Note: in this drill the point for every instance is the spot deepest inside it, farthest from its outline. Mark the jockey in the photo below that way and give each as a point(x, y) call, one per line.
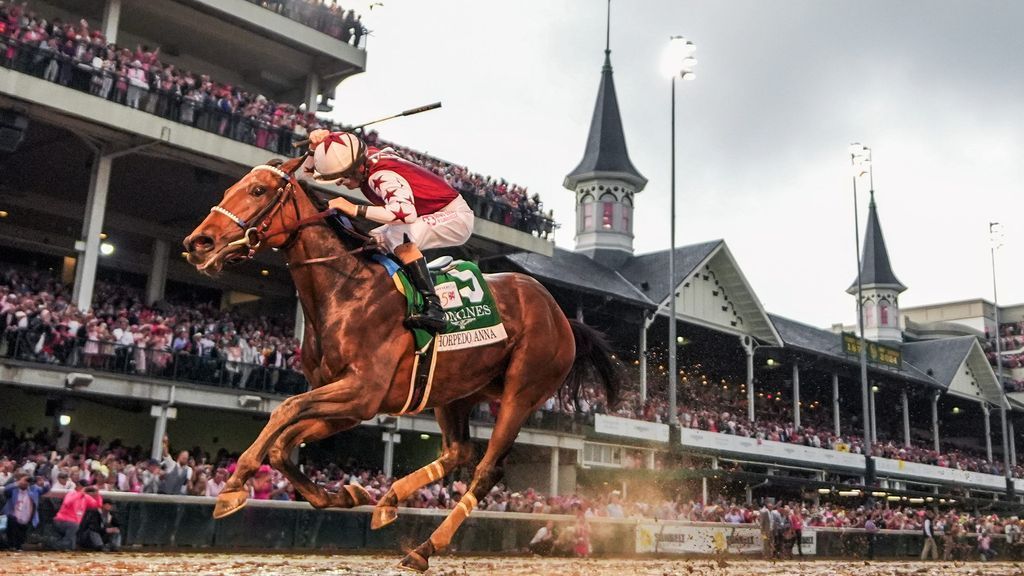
point(416, 208)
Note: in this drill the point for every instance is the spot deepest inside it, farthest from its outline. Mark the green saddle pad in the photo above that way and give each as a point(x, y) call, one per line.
point(473, 318)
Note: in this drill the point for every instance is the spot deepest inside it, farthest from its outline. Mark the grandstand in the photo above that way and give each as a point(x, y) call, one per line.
point(102, 182)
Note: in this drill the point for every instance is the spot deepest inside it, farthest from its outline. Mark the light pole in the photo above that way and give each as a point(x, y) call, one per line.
point(860, 160)
point(678, 62)
point(995, 234)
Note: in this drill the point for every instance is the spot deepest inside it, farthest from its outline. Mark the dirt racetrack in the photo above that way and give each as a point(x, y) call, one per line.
point(68, 564)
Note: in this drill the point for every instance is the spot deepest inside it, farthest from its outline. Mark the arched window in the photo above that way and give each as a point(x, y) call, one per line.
point(883, 313)
point(627, 219)
point(608, 211)
point(869, 314)
point(586, 213)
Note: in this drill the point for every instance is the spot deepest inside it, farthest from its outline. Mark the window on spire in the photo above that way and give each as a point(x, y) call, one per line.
point(883, 313)
point(869, 314)
point(608, 211)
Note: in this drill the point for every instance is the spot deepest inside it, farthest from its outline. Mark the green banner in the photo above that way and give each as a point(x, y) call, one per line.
point(877, 353)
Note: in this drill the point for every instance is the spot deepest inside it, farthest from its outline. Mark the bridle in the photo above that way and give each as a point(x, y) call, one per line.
point(255, 228)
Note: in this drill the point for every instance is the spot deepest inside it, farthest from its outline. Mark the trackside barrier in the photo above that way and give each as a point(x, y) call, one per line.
point(167, 522)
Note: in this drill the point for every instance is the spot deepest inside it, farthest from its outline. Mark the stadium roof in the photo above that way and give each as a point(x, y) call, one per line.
point(875, 267)
point(579, 272)
point(606, 155)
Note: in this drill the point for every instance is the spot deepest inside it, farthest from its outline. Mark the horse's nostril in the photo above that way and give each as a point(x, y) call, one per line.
point(200, 244)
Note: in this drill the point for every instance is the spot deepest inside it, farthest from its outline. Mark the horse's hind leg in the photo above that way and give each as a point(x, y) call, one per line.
point(457, 450)
point(308, 431)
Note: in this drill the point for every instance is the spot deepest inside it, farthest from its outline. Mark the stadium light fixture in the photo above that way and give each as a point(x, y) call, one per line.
point(4, 214)
point(424, 436)
point(64, 419)
point(103, 235)
point(874, 388)
point(264, 272)
point(106, 248)
point(677, 61)
point(956, 409)
point(824, 490)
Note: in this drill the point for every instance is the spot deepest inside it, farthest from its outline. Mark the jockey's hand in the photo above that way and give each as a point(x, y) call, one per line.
point(347, 208)
point(317, 136)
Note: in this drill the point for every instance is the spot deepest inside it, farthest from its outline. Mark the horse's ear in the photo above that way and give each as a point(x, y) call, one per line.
point(293, 164)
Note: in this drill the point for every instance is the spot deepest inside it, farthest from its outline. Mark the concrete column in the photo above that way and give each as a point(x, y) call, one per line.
point(935, 421)
point(704, 491)
point(649, 460)
point(95, 208)
point(111, 18)
point(643, 357)
point(749, 492)
point(553, 478)
point(157, 451)
point(749, 351)
point(300, 319)
point(906, 418)
point(796, 394)
point(157, 281)
point(988, 432)
point(835, 404)
point(312, 91)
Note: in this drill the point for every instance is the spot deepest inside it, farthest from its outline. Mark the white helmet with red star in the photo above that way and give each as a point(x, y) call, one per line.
point(338, 156)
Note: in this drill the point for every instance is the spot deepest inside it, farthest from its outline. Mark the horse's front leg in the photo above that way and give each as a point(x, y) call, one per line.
point(347, 398)
point(349, 496)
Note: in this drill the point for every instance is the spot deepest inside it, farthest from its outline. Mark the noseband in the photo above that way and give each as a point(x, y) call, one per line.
point(254, 229)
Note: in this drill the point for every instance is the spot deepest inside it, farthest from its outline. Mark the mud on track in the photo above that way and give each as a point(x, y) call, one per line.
point(74, 564)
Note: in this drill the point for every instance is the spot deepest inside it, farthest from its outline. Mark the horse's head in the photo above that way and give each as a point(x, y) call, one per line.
point(248, 219)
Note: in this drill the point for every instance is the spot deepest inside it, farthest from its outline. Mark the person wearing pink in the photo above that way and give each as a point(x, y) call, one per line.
point(72, 509)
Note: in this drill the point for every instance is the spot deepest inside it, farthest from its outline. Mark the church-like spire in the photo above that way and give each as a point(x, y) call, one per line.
point(875, 267)
point(606, 155)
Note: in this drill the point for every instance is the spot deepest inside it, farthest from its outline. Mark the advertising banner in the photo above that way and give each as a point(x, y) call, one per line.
point(629, 428)
point(673, 538)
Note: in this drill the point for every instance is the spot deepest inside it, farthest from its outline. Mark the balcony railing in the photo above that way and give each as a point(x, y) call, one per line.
point(164, 364)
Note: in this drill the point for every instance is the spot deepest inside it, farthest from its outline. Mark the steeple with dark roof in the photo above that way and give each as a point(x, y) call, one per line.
point(605, 155)
point(605, 180)
point(879, 286)
point(875, 267)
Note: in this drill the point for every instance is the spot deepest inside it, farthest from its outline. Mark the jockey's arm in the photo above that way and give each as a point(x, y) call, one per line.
point(399, 202)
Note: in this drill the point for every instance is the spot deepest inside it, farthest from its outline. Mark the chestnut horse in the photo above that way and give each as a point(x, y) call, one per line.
point(358, 356)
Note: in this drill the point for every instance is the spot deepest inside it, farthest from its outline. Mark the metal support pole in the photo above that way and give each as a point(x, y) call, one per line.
point(643, 357)
point(988, 431)
point(1013, 445)
point(704, 491)
point(906, 418)
point(1006, 448)
point(873, 418)
point(553, 473)
point(935, 421)
point(865, 393)
point(673, 374)
point(835, 404)
point(751, 414)
point(796, 394)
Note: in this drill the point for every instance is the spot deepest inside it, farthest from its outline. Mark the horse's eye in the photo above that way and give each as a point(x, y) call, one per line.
point(259, 191)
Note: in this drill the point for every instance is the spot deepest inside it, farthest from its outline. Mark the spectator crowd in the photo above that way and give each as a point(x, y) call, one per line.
point(78, 56)
point(329, 18)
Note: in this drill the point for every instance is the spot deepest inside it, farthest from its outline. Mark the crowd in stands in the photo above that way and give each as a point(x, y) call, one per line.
point(328, 18)
point(78, 56)
point(1011, 344)
point(721, 406)
point(188, 340)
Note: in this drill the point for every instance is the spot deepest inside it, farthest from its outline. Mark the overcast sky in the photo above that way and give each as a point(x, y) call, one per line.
point(935, 88)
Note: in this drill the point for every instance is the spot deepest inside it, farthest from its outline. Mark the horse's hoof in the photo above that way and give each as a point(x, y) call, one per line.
point(414, 562)
point(382, 516)
point(360, 496)
point(229, 502)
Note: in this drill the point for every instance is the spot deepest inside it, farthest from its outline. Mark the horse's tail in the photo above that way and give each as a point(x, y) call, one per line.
point(593, 352)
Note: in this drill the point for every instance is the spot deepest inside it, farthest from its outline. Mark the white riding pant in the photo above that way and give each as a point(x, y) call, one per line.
point(450, 226)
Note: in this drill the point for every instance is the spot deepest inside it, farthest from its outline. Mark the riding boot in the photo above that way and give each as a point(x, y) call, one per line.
point(432, 317)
